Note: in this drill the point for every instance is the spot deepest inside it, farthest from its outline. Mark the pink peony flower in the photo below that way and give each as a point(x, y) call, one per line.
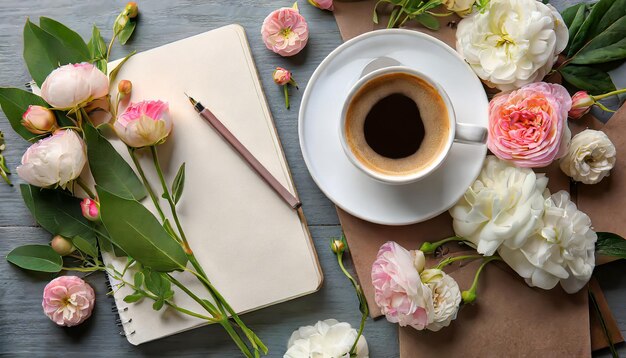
point(144, 124)
point(529, 126)
point(74, 85)
point(398, 288)
point(68, 300)
point(581, 104)
point(322, 4)
point(285, 31)
point(281, 76)
point(39, 120)
point(90, 209)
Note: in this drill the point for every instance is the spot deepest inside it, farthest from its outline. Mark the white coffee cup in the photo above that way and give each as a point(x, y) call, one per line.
point(458, 132)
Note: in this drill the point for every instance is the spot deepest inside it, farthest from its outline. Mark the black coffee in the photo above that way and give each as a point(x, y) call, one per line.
point(393, 127)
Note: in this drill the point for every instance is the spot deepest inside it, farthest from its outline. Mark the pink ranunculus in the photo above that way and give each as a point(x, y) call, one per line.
point(528, 126)
point(68, 300)
point(144, 124)
point(90, 209)
point(581, 104)
point(74, 85)
point(322, 4)
point(39, 120)
point(285, 31)
point(281, 76)
point(398, 288)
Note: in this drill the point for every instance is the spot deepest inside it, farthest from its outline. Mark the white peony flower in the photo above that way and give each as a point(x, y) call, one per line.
point(512, 42)
point(327, 339)
point(55, 160)
point(563, 251)
point(446, 297)
point(590, 157)
point(502, 207)
point(461, 7)
point(74, 85)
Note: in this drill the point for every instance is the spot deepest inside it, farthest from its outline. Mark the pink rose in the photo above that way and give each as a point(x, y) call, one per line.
point(39, 120)
point(68, 300)
point(285, 31)
point(74, 85)
point(90, 209)
point(581, 104)
point(322, 4)
point(281, 76)
point(398, 289)
point(529, 126)
point(144, 124)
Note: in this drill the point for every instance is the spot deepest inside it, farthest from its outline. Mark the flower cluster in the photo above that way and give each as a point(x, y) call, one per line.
point(409, 294)
point(543, 237)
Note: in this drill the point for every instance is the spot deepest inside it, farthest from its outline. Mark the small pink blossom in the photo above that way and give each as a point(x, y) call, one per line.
point(68, 300)
point(528, 127)
point(581, 104)
point(281, 76)
point(285, 31)
point(322, 4)
point(398, 288)
point(144, 124)
point(90, 209)
point(39, 120)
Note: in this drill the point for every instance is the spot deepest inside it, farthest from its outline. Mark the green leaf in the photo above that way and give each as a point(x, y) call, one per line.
point(43, 52)
point(168, 227)
point(159, 285)
point(57, 212)
point(428, 21)
point(15, 102)
point(135, 230)
point(36, 258)
point(574, 17)
point(98, 50)
point(117, 68)
point(133, 297)
point(127, 31)
point(179, 184)
point(158, 304)
point(86, 245)
point(68, 37)
point(109, 169)
point(570, 13)
point(611, 245)
point(610, 45)
point(603, 14)
point(590, 79)
point(138, 279)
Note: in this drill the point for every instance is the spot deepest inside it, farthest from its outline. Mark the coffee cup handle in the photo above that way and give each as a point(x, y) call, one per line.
point(470, 133)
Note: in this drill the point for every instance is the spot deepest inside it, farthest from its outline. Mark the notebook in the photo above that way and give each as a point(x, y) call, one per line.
point(255, 249)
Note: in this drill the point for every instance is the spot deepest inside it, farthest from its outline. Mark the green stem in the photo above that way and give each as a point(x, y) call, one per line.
point(85, 187)
point(286, 91)
point(146, 184)
point(430, 247)
point(609, 94)
point(83, 269)
point(485, 262)
point(605, 329)
point(111, 44)
point(447, 261)
point(604, 108)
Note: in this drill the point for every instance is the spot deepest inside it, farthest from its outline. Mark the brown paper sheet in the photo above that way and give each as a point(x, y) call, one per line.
point(598, 337)
point(355, 18)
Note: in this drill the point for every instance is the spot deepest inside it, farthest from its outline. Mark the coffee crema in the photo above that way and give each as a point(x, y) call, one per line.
point(397, 124)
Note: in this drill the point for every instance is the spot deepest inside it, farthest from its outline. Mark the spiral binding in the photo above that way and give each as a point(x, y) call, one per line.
point(116, 310)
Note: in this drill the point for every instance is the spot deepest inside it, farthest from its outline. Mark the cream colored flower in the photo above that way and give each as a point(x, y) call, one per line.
point(461, 7)
point(590, 157)
point(563, 251)
point(512, 42)
point(327, 339)
point(502, 207)
point(446, 297)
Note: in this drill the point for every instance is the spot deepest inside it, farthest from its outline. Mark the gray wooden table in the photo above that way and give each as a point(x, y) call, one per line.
point(25, 331)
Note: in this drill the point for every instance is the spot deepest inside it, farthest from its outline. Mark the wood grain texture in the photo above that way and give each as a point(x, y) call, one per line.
point(25, 331)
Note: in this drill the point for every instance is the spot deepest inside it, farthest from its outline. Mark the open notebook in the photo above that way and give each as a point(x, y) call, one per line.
point(243, 234)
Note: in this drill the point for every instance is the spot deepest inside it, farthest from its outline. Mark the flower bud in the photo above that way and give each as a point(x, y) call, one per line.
point(337, 246)
point(419, 261)
point(90, 209)
point(61, 245)
point(281, 76)
point(39, 120)
point(124, 87)
point(468, 296)
point(581, 104)
point(131, 9)
point(428, 248)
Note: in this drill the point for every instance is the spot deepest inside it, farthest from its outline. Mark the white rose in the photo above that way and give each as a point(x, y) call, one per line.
point(590, 157)
point(512, 42)
point(74, 85)
point(502, 207)
point(55, 160)
point(461, 7)
point(327, 339)
point(563, 251)
point(446, 297)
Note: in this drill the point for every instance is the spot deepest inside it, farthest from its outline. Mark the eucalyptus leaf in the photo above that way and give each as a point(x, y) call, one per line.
point(610, 45)
point(133, 297)
point(127, 31)
point(86, 245)
point(98, 50)
point(109, 169)
point(36, 258)
point(117, 68)
point(15, 102)
point(57, 212)
point(611, 245)
point(590, 79)
point(603, 14)
point(179, 184)
point(68, 37)
point(135, 230)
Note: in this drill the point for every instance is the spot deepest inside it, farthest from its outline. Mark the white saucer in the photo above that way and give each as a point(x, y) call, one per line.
point(320, 111)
